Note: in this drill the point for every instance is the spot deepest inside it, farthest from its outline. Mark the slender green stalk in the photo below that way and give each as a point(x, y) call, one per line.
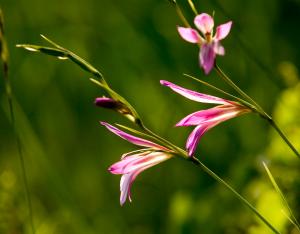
point(283, 136)
point(292, 217)
point(197, 162)
point(179, 13)
point(241, 198)
point(247, 104)
point(4, 57)
point(193, 7)
point(259, 108)
point(240, 91)
point(180, 151)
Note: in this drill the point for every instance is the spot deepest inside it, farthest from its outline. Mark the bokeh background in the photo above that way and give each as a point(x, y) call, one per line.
point(135, 44)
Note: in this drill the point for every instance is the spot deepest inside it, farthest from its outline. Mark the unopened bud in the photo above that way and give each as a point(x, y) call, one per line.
point(113, 104)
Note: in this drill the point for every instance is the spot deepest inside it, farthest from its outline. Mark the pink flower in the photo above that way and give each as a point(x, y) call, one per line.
point(209, 45)
point(133, 163)
point(205, 119)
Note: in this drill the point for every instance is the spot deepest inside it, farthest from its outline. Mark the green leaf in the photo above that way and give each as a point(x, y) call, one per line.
point(292, 218)
point(46, 50)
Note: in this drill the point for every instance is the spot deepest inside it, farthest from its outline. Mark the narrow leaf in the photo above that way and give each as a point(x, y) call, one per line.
point(284, 201)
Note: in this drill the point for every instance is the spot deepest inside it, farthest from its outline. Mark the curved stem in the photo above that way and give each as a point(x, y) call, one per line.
point(261, 111)
point(240, 91)
point(197, 162)
point(240, 197)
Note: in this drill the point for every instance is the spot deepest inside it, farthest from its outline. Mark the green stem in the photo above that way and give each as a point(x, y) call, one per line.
point(241, 198)
point(182, 152)
point(283, 136)
point(193, 7)
point(241, 92)
point(164, 141)
point(260, 110)
point(245, 103)
point(4, 57)
point(179, 13)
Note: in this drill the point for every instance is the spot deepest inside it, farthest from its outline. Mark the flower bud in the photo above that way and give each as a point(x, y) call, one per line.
point(116, 105)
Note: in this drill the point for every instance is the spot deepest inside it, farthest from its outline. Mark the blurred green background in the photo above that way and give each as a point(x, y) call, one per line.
point(135, 44)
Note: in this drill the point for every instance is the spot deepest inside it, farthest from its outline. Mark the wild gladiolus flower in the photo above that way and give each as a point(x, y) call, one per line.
point(205, 119)
point(133, 163)
point(209, 45)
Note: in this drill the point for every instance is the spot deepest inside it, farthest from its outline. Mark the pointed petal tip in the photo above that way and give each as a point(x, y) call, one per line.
point(164, 82)
point(180, 124)
point(223, 30)
point(110, 169)
point(103, 123)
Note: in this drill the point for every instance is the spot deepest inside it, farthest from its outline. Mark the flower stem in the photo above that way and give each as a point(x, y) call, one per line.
point(4, 54)
point(240, 197)
point(260, 110)
point(283, 136)
point(197, 162)
point(241, 92)
point(245, 103)
point(165, 142)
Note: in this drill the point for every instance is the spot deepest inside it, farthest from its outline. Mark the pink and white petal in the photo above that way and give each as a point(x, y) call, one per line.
point(125, 185)
point(137, 162)
point(189, 34)
point(223, 116)
point(219, 49)
point(202, 116)
point(204, 22)
point(207, 57)
point(133, 139)
point(223, 30)
point(128, 178)
point(193, 95)
point(119, 167)
point(194, 138)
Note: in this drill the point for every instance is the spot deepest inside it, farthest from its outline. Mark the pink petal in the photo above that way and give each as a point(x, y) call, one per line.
point(189, 34)
point(194, 138)
point(119, 167)
point(204, 23)
point(133, 139)
point(207, 57)
point(192, 95)
point(209, 120)
point(203, 116)
point(128, 178)
point(223, 30)
point(137, 162)
point(125, 185)
point(219, 49)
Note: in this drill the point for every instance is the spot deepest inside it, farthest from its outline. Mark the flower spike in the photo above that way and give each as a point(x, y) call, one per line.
point(205, 119)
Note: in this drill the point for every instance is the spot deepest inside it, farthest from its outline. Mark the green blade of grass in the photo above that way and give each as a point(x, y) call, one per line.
point(292, 217)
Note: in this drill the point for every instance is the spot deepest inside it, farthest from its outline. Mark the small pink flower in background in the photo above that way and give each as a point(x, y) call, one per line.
point(205, 119)
point(133, 163)
point(209, 45)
